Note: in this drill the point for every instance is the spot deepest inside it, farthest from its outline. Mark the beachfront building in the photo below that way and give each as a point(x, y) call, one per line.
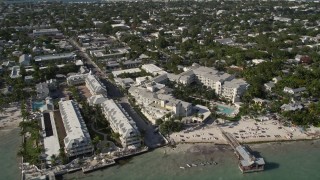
point(77, 141)
point(224, 84)
point(121, 123)
point(247, 162)
point(232, 90)
point(94, 85)
point(156, 103)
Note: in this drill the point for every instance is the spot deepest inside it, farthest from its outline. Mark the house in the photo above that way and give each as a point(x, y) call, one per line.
point(276, 79)
point(42, 90)
point(162, 78)
point(291, 107)
point(141, 80)
point(28, 79)
point(24, 60)
point(152, 69)
point(225, 41)
point(260, 102)
point(268, 86)
point(294, 91)
point(125, 82)
point(15, 72)
point(8, 64)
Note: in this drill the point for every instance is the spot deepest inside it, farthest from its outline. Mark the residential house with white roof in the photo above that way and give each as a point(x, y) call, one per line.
point(15, 72)
point(153, 69)
point(24, 60)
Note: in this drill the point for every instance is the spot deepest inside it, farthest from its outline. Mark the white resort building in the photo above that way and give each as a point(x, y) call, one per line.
point(158, 104)
point(121, 123)
point(224, 84)
point(94, 85)
point(77, 141)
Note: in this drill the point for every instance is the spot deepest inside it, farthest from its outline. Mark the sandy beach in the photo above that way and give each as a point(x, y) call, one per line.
point(245, 131)
point(10, 118)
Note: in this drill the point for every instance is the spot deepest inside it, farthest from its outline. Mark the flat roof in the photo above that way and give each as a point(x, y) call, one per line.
point(51, 143)
point(133, 70)
point(151, 68)
point(247, 158)
point(54, 56)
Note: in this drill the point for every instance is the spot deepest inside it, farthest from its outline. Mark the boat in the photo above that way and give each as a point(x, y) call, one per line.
point(208, 163)
point(194, 165)
point(181, 167)
point(188, 165)
point(202, 164)
point(215, 163)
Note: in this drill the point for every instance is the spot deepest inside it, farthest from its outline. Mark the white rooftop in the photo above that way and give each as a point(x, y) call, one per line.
point(126, 126)
point(133, 70)
point(51, 143)
point(73, 122)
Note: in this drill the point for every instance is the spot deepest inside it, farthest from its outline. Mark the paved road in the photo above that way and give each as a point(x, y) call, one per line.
point(152, 139)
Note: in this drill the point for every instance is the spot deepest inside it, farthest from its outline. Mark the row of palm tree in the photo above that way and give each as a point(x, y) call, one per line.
point(30, 149)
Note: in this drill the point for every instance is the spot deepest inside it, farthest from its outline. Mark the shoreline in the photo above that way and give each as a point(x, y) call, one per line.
point(10, 118)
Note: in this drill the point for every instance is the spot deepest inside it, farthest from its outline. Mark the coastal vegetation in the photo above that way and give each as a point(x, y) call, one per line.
point(31, 148)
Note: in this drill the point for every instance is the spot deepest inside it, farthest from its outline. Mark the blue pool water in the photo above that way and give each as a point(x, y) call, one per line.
point(225, 110)
point(37, 105)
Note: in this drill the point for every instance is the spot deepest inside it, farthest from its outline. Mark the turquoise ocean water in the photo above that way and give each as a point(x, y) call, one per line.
point(294, 160)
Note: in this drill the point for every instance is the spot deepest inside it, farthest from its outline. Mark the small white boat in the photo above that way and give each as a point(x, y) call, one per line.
point(181, 167)
point(188, 165)
point(194, 165)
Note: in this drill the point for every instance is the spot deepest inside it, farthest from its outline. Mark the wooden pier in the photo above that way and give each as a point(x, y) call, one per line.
point(247, 161)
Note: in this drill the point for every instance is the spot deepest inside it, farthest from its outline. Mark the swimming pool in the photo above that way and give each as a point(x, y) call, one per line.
point(37, 105)
point(225, 110)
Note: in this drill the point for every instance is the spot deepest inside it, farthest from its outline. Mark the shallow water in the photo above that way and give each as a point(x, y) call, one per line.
point(9, 145)
point(294, 160)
